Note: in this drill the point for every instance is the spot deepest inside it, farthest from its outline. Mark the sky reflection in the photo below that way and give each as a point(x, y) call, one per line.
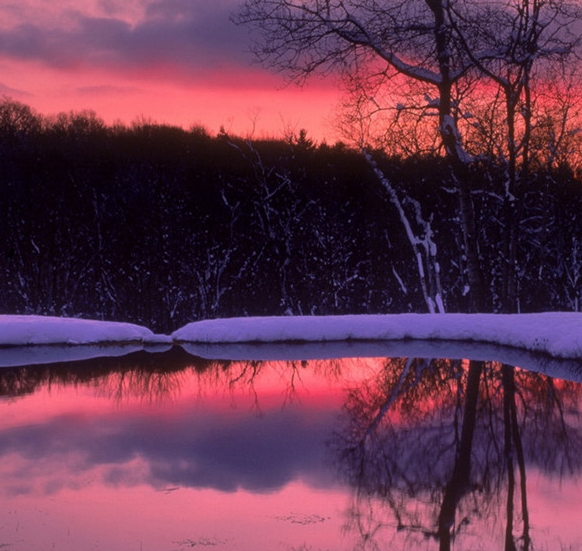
point(339, 454)
point(224, 444)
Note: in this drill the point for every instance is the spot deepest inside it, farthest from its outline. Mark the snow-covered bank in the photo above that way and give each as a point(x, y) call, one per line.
point(558, 334)
point(39, 330)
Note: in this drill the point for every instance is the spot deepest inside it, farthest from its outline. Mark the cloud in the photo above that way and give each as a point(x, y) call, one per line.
point(185, 38)
point(9, 91)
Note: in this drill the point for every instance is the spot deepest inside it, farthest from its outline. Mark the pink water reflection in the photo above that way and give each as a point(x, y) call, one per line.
point(233, 457)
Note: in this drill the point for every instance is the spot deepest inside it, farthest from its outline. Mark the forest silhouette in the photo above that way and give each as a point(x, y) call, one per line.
point(161, 226)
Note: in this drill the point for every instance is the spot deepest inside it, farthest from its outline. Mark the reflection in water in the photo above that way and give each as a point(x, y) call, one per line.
point(402, 453)
point(447, 446)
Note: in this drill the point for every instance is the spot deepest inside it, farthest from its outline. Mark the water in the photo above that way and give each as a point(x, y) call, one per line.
point(167, 452)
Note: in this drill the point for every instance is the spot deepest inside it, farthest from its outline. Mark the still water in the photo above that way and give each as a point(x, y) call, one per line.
point(168, 452)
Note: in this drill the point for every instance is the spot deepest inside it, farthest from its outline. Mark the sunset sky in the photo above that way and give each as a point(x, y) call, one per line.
point(173, 61)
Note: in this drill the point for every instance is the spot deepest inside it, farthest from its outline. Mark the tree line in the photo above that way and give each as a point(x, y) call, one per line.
point(161, 226)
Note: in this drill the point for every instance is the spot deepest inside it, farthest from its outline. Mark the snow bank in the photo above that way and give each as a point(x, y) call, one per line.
point(38, 330)
point(555, 333)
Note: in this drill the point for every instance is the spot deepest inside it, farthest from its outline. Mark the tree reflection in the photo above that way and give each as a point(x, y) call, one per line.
point(458, 483)
point(146, 375)
point(435, 450)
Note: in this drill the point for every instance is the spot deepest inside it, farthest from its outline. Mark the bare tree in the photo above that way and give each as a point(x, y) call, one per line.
point(556, 140)
point(513, 45)
point(411, 40)
point(446, 50)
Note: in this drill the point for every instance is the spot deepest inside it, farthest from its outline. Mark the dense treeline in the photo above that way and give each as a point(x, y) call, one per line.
point(161, 226)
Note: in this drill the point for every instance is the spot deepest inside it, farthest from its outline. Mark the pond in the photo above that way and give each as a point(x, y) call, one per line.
point(166, 451)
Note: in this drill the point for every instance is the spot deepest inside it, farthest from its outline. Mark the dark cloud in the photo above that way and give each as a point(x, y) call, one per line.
point(187, 37)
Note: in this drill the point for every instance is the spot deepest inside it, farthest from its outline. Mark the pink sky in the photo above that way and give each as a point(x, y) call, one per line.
point(173, 61)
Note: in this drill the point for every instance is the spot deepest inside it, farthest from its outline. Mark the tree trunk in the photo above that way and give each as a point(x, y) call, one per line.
point(456, 152)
